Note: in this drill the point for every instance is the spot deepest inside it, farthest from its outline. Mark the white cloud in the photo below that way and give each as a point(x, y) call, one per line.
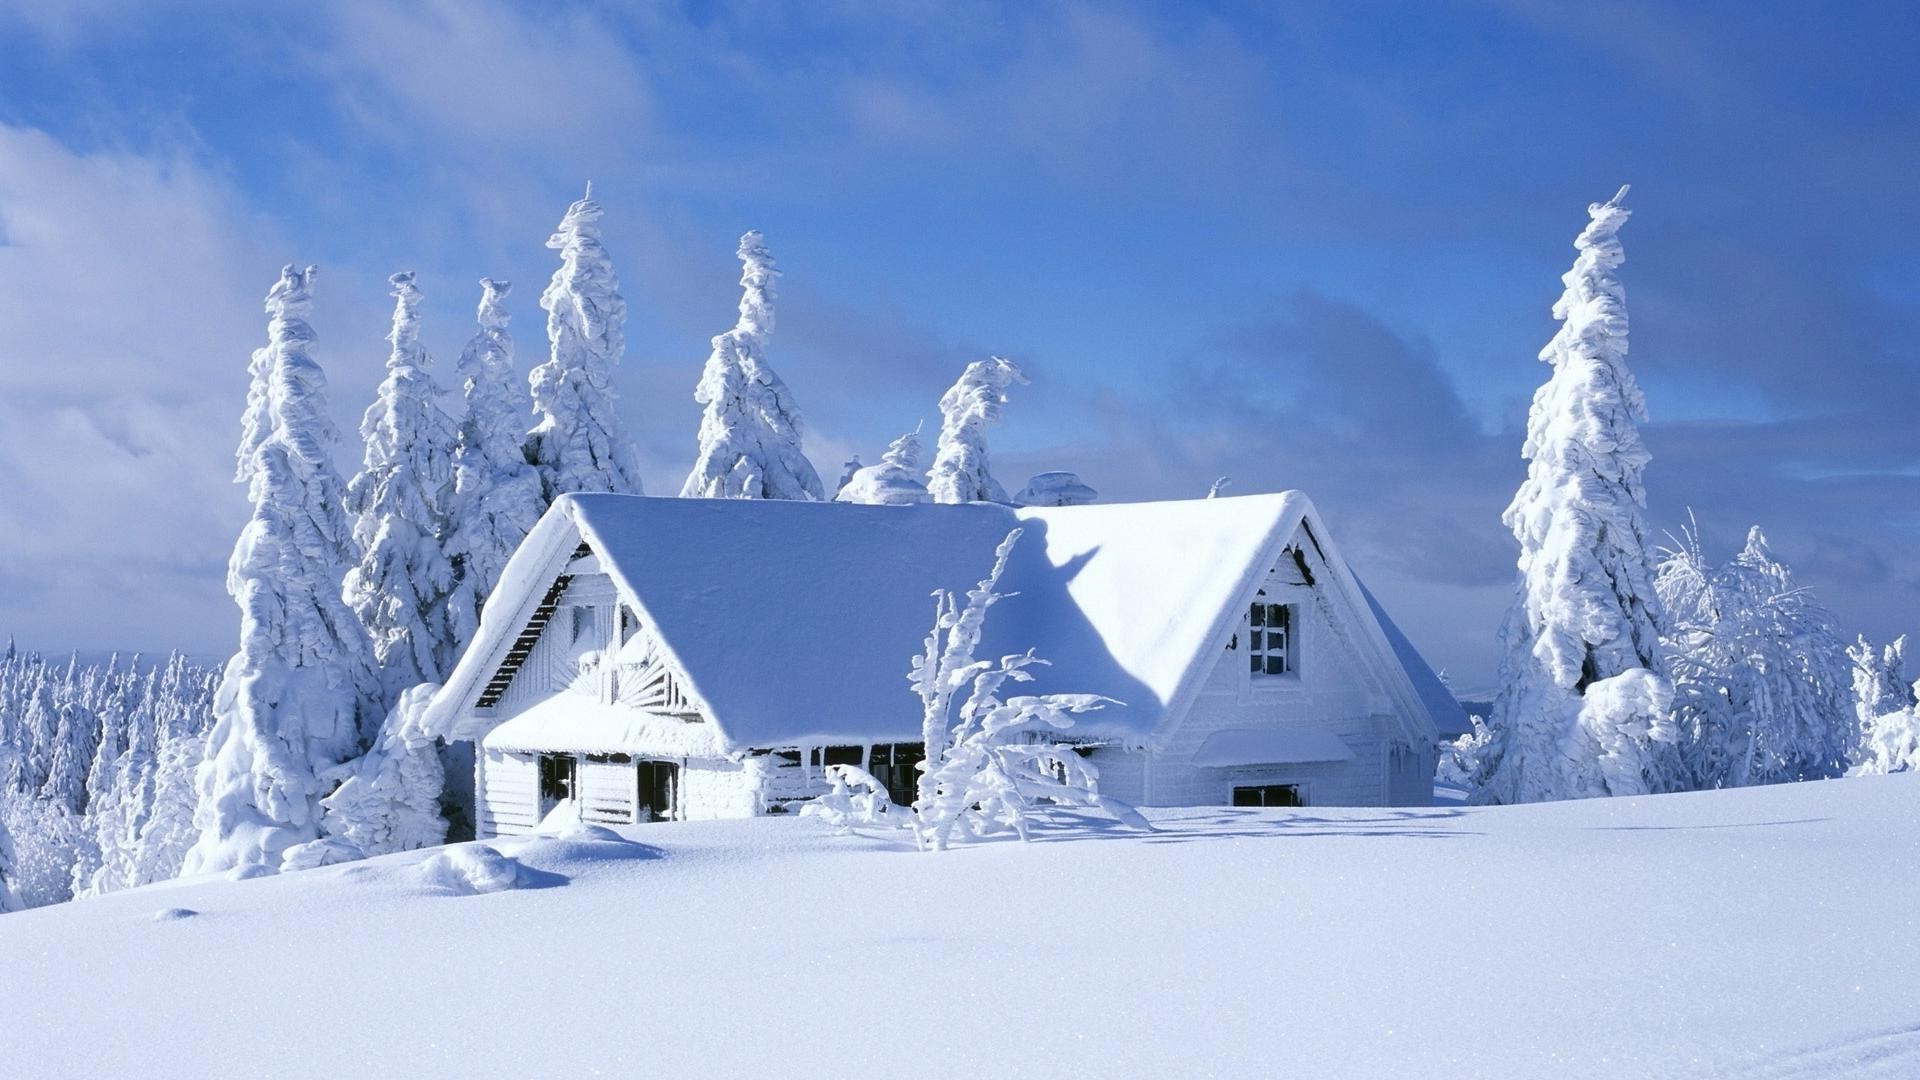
point(128, 306)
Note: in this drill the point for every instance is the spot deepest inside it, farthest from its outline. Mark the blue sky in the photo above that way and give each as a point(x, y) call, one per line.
point(1306, 245)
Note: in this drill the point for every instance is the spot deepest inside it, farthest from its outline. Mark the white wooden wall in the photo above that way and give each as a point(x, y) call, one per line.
point(608, 791)
point(718, 788)
point(509, 793)
point(1331, 691)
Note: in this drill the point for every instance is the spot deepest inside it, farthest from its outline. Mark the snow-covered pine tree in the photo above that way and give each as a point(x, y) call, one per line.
point(895, 481)
point(1585, 612)
point(291, 701)
point(497, 496)
point(847, 470)
point(9, 899)
point(400, 502)
point(750, 428)
point(960, 473)
point(76, 738)
point(390, 800)
point(578, 442)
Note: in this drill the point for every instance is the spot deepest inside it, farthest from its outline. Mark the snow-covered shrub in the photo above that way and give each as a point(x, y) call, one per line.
point(469, 869)
point(389, 799)
point(1891, 742)
point(1463, 762)
point(579, 442)
point(400, 502)
point(1880, 683)
point(750, 427)
point(1055, 489)
point(1886, 706)
point(895, 481)
point(496, 494)
point(1763, 687)
point(854, 798)
point(1585, 610)
point(998, 762)
point(290, 705)
point(46, 840)
point(960, 473)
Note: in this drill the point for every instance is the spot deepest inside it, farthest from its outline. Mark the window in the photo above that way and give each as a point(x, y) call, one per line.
point(582, 623)
point(556, 780)
point(1268, 795)
point(629, 622)
point(1270, 639)
point(657, 781)
point(893, 764)
point(838, 755)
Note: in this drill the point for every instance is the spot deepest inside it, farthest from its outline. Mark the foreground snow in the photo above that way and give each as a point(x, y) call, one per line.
point(1762, 932)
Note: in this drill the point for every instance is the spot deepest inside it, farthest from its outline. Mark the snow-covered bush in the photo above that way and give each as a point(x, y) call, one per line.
point(400, 502)
point(1885, 704)
point(1585, 610)
point(960, 473)
point(996, 763)
point(290, 704)
point(579, 443)
point(1055, 489)
point(1891, 742)
point(895, 481)
point(1463, 762)
point(496, 493)
point(854, 798)
point(750, 427)
point(1763, 687)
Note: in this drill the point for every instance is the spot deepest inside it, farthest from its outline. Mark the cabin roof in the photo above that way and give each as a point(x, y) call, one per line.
point(796, 622)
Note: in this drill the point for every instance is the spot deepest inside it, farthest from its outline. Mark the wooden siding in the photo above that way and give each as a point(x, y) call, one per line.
point(509, 793)
point(607, 788)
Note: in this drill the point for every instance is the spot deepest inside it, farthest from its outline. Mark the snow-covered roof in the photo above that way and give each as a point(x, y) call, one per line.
point(796, 622)
point(1292, 744)
point(1449, 716)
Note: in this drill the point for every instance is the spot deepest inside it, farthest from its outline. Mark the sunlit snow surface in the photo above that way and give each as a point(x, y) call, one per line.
point(1763, 932)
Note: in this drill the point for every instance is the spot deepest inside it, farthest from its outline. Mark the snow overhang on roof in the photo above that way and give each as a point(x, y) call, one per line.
point(579, 724)
point(1289, 745)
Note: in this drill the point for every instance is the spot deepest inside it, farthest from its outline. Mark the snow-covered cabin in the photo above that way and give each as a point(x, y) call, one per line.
point(699, 658)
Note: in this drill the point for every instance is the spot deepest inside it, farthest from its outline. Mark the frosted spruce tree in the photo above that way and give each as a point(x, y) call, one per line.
point(9, 899)
point(390, 800)
point(960, 472)
point(290, 704)
point(578, 442)
point(496, 493)
point(400, 502)
point(1583, 699)
point(1762, 687)
point(895, 481)
point(750, 428)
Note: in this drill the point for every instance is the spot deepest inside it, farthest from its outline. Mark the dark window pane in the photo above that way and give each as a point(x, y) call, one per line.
point(1259, 615)
point(1254, 658)
point(1256, 640)
point(1276, 664)
point(1246, 796)
point(843, 755)
point(1276, 614)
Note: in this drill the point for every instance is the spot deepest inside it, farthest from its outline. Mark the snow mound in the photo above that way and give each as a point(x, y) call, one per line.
point(469, 869)
point(173, 914)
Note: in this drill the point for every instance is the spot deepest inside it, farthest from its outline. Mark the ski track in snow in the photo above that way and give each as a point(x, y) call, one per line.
point(1893, 1053)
